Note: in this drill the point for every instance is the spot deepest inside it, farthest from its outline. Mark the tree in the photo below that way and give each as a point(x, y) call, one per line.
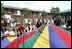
point(44, 13)
point(2, 11)
point(53, 11)
point(57, 9)
point(26, 12)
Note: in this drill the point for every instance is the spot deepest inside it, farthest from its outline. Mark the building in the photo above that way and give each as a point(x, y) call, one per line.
point(65, 13)
point(16, 13)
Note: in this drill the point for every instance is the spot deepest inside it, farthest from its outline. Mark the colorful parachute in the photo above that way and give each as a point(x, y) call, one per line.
point(44, 37)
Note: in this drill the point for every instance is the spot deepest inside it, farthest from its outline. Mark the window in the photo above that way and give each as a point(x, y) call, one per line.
point(40, 14)
point(9, 10)
point(16, 12)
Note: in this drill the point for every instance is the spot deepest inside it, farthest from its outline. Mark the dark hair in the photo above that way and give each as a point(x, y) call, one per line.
point(29, 20)
point(29, 28)
point(5, 29)
point(17, 30)
point(32, 29)
point(38, 20)
point(26, 30)
point(13, 29)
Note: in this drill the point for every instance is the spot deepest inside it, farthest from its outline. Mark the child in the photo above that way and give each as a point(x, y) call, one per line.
point(27, 29)
point(23, 28)
point(18, 33)
point(6, 32)
point(20, 29)
point(12, 33)
point(15, 32)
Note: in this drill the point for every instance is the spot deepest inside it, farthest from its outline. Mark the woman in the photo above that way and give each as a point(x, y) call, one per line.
point(63, 22)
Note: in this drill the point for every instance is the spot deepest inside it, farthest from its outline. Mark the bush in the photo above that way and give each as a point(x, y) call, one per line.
point(2, 17)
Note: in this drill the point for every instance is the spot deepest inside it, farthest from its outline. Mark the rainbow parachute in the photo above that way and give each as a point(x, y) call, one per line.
point(44, 37)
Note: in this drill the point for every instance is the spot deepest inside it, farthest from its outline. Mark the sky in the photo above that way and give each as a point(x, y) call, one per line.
point(39, 5)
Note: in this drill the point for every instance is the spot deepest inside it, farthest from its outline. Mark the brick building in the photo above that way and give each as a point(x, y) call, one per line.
point(16, 13)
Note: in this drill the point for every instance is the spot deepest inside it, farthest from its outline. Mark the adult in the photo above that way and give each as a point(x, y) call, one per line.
point(59, 20)
point(56, 21)
point(38, 24)
point(68, 21)
point(50, 22)
point(63, 23)
point(5, 22)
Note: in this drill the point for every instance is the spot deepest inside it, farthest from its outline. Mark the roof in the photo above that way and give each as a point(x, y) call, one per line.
point(66, 11)
point(12, 7)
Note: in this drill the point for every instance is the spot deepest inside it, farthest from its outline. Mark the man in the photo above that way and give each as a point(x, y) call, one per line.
point(50, 22)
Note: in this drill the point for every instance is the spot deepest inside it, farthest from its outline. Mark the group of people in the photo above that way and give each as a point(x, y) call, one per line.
point(64, 23)
point(20, 30)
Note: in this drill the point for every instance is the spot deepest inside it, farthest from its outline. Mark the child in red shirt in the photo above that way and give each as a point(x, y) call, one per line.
point(20, 29)
point(23, 28)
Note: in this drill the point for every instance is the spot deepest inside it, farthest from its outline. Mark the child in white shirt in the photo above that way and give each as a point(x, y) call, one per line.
point(6, 32)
